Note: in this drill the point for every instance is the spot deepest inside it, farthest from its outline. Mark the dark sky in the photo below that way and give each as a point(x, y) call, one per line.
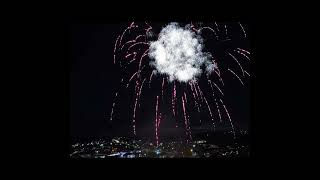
point(94, 79)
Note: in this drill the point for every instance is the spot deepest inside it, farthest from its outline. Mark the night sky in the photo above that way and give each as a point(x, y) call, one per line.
point(94, 80)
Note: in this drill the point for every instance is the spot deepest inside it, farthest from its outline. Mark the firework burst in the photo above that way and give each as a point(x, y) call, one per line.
point(175, 57)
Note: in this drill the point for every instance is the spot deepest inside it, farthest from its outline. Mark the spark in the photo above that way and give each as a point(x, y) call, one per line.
point(129, 55)
point(150, 79)
point(243, 50)
point(141, 88)
point(220, 79)
point(218, 109)
point(195, 100)
point(216, 26)
point(243, 54)
point(245, 35)
point(134, 113)
point(131, 78)
point(156, 122)
point(247, 73)
point(236, 75)
point(185, 117)
point(217, 87)
point(195, 89)
point(112, 109)
point(129, 27)
point(234, 134)
point(114, 51)
point(139, 36)
point(144, 54)
point(172, 102)
point(225, 27)
point(174, 98)
point(162, 88)
point(127, 43)
point(237, 62)
point(137, 43)
point(214, 126)
point(200, 92)
point(209, 29)
point(159, 120)
point(209, 81)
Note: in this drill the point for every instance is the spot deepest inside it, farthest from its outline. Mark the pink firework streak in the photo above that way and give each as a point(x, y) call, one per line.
point(135, 44)
point(140, 36)
point(113, 105)
point(234, 134)
point(214, 126)
point(209, 81)
point(134, 113)
point(156, 122)
point(132, 41)
point(237, 62)
point(131, 26)
point(243, 50)
point(243, 54)
point(244, 32)
point(150, 79)
point(195, 100)
point(131, 78)
point(210, 30)
point(201, 94)
point(162, 88)
point(235, 75)
point(173, 98)
point(114, 51)
point(141, 91)
point(185, 118)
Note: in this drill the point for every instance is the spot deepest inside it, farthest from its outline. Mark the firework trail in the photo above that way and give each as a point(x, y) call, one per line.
point(127, 43)
point(243, 50)
point(243, 54)
point(131, 78)
point(218, 109)
point(150, 79)
point(141, 89)
point(247, 73)
point(134, 113)
point(225, 27)
point(112, 109)
point(216, 87)
point(177, 55)
point(114, 51)
point(237, 62)
point(215, 100)
point(162, 88)
point(156, 121)
point(245, 35)
point(216, 26)
point(200, 92)
point(188, 133)
point(234, 134)
point(214, 126)
point(173, 98)
point(235, 75)
point(131, 26)
point(210, 30)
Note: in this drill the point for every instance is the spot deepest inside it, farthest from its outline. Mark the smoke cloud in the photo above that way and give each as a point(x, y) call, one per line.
point(178, 54)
